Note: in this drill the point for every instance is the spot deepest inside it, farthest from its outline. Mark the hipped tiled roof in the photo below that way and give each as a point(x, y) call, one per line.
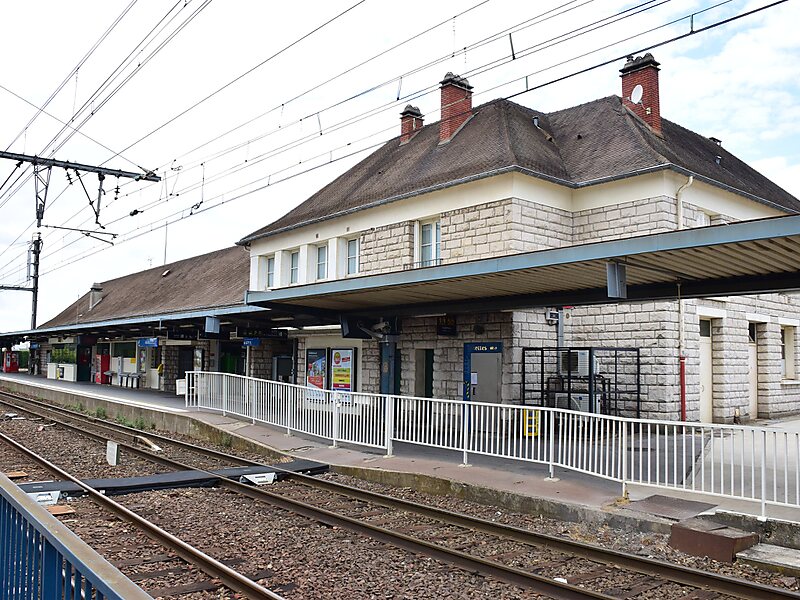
point(577, 146)
point(211, 280)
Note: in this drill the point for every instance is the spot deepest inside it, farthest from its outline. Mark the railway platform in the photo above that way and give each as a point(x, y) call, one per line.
point(517, 486)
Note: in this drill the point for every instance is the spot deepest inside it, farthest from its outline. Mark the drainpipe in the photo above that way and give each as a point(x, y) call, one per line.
point(681, 323)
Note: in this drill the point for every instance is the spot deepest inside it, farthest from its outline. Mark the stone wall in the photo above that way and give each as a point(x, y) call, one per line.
point(261, 357)
point(170, 358)
point(448, 351)
point(730, 354)
point(388, 248)
point(650, 215)
point(505, 227)
point(652, 327)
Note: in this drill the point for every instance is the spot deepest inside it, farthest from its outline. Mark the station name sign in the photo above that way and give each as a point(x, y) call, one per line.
point(150, 342)
point(259, 332)
point(181, 334)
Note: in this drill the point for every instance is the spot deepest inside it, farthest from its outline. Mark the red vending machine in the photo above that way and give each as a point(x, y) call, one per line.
point(102, 365)
point(10, 361)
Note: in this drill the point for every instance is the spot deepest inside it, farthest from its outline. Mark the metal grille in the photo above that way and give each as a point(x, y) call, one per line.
point(597, 380)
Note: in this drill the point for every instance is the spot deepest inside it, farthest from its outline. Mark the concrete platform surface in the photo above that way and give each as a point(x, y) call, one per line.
point(518, 485)
point(774, 558)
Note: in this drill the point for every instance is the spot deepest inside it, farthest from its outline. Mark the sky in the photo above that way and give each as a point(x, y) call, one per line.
point(246, 108)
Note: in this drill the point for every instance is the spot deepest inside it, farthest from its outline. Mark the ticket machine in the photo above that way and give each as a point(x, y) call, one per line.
point(10, 361)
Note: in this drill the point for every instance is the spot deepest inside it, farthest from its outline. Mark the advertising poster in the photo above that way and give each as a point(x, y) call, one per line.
point(342, 374)
point(317, 368)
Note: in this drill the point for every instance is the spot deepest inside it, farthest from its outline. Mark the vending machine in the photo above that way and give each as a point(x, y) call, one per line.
point(10, 361)
point(102, 365)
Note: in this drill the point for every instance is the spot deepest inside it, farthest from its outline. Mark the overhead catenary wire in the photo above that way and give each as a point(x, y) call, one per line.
point(89, 103)
point(530, 89)
point(73, 71)
point(182, 191)
point(252, 161)
point(534, 20)
point(198, 103)
point(143, 44)
point(606, 18)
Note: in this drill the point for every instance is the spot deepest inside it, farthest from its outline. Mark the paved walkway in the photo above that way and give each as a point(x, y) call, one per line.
point(574, 490)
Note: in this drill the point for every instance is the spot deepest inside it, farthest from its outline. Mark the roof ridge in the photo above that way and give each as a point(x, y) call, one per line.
point(629, 116)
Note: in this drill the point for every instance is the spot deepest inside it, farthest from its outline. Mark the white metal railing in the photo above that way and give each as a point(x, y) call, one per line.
point(734, 461)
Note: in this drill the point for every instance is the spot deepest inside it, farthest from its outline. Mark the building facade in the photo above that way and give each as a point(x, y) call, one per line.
point(502, 179)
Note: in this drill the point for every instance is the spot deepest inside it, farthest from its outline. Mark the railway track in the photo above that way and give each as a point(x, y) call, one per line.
point(387, 519)
point(176, 547)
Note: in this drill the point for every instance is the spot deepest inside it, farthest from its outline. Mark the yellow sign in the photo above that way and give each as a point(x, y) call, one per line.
point(532, 422)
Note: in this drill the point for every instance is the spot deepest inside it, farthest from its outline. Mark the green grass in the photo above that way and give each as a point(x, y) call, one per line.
point(100, 412)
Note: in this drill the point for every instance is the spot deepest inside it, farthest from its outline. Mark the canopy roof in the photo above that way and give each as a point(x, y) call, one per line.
point(742, 258)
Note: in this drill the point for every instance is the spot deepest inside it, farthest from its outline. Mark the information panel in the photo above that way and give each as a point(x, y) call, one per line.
point(317, 367)
point(343, 369)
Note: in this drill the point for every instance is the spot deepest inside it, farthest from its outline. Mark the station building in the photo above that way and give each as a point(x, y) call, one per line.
point(487, 182)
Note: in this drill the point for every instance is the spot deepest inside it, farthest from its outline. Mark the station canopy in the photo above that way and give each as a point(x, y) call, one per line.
point(749, 257)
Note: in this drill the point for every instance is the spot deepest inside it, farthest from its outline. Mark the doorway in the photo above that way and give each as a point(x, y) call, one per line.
point(185, 360)
point(483, 372)
point(423, 373)
point(706, 373)
point(752, 371)
point(84, 360)
point(282, 368)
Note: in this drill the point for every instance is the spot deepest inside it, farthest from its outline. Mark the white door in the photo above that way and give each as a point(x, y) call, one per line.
point(706, 373)
point(752, 378)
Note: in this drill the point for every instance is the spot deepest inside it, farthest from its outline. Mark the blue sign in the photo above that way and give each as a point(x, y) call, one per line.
point(34, 345)
point(148, 342)
point(253, 342)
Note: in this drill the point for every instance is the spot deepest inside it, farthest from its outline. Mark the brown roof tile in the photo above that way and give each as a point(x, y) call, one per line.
point(211, 280)
point(575, 146)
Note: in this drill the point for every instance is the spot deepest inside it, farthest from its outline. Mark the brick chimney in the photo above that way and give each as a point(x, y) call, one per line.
point(642, 71)
point(410, 123)
point(456, 105)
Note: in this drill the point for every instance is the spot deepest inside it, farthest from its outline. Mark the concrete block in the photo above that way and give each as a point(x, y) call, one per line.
point(704, 538)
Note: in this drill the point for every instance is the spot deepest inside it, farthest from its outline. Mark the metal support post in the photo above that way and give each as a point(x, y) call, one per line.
point(36, 252)
point(464, 432)
point(551, 432)
point(389, 404)
point(763, 475)
point(224, 395)
point(623, 457)
point(41, 179)
point(335, 432)
point(252, 398)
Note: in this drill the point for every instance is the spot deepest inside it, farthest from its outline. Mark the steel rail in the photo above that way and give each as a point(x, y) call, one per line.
point(467, 562)
point(676, 573)
point(210, 566)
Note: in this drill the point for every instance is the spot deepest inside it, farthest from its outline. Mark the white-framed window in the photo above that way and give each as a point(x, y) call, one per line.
point(294, 266)
point(352, 256)
point(788, 361)
point(703, 219)
point(322, 262)
point(271, 272)
point(429, 243)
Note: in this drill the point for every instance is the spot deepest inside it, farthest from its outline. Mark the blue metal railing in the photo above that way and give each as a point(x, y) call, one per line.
point(40, 558)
